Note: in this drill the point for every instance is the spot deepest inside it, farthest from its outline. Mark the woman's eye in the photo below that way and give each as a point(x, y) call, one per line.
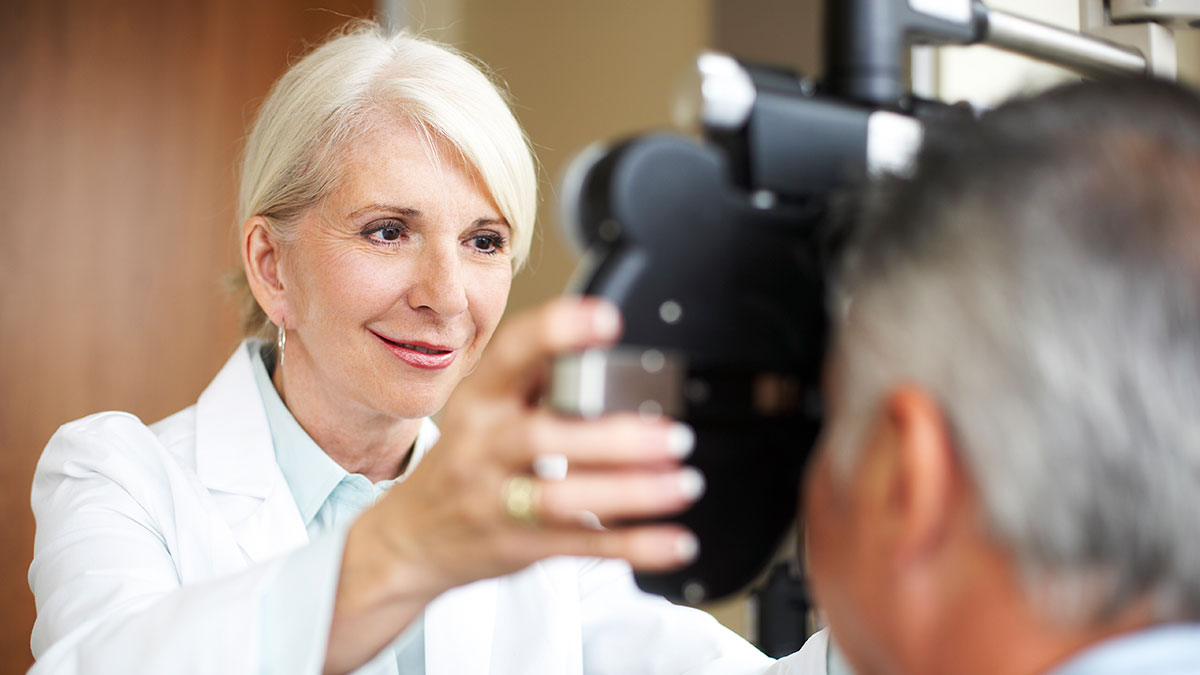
point(486, 243)
point(386, 233)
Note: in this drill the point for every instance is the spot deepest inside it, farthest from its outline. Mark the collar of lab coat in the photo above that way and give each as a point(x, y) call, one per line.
point(235, 461)
point(233, 440)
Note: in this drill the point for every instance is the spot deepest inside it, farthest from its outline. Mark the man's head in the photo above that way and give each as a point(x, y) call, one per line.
point(1014, 430)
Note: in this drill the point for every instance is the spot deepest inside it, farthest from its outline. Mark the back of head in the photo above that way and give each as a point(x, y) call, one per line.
point(363, 76)
point(1040, 276)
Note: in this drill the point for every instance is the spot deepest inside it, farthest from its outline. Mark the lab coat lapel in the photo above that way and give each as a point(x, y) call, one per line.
point(459, 627)
point(235, 459)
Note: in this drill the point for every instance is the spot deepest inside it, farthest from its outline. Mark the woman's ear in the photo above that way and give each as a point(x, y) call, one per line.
point(261, 260)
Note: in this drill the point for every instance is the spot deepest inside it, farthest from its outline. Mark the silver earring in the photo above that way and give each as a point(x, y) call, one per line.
point(280, 343)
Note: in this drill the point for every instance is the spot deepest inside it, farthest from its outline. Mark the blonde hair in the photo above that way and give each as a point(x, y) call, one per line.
point(332, 96)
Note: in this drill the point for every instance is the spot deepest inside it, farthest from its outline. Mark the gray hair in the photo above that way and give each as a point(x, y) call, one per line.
point(1040, 276)
point(332, 97)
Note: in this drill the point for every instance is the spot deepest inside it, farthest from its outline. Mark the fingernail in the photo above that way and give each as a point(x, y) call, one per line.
point(681, 440)
point(550, 466)
point(606, 321)
point(687, 547)
point(691, 483)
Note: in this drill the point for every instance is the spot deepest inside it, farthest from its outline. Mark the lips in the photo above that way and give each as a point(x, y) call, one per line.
point(422, 355)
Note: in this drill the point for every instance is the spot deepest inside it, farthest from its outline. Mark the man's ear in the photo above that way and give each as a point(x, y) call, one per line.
point(926, 482)
point(261, 260)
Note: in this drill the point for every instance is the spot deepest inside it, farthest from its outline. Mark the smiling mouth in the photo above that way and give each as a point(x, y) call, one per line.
point(422, 356)
point(423, 350)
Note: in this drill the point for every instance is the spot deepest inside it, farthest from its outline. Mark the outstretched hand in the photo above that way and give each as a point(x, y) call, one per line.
point(453, 520)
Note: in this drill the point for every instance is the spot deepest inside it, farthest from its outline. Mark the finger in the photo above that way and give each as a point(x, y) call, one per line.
point(650, 548)
point(618, 495)
point(562, 325)
point(617, 439)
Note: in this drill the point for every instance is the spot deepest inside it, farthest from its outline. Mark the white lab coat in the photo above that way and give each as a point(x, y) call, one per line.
point(154, 545)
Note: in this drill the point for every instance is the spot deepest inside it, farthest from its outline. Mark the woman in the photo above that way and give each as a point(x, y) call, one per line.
point(387, 196)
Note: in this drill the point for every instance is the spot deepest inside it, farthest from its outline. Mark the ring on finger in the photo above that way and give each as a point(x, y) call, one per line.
point(520, 497)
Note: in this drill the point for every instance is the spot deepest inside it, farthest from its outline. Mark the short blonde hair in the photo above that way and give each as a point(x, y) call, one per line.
point(332, 96)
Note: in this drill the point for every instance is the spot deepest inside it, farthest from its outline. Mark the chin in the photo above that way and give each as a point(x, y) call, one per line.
point(415, 404)
point(409, 409)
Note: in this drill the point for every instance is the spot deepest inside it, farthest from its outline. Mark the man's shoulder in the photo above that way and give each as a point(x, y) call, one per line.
point(1165, 649)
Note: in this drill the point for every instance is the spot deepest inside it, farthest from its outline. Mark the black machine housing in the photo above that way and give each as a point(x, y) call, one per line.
point(712, 248)
point(732, 295)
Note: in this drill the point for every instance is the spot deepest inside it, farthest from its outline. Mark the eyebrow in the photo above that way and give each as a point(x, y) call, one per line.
point(409, 212)
point(389, 208)
point(492, 221)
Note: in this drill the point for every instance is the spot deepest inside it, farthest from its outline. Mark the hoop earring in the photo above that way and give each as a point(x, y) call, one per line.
point(280, 343)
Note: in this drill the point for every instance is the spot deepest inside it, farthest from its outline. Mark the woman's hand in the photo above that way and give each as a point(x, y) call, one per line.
point(448, 524)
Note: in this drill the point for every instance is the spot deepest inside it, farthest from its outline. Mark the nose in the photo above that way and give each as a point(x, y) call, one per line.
point(439, 285)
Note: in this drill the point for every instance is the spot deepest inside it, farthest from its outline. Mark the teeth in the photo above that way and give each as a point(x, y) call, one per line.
point(423, 350)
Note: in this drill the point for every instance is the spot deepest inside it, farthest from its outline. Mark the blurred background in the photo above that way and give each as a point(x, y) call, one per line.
point(121, 124)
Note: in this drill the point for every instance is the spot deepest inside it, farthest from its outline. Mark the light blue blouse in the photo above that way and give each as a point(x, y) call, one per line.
point(329, 499)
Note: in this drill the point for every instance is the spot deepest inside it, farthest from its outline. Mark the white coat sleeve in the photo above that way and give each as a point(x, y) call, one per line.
point(627, 631)
point(810, 660)
point(108, 563)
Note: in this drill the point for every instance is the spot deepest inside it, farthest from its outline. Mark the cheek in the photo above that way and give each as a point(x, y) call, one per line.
point(361, 288)
point(828, 552)
point(488, 296)
point(820, 520)
point(333, 283)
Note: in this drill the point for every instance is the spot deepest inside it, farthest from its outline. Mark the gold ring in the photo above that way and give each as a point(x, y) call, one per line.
point(520, 495)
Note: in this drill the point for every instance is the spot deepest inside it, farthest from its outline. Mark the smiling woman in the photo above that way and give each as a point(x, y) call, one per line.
point(390, 289)
point(305, 515)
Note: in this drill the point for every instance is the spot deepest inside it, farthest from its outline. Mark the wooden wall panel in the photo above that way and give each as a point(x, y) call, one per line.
point(788, 33)
point(120, 124)
point(581, 72)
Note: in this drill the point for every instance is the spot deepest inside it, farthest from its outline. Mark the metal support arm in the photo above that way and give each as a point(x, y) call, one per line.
point(1084, 54)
